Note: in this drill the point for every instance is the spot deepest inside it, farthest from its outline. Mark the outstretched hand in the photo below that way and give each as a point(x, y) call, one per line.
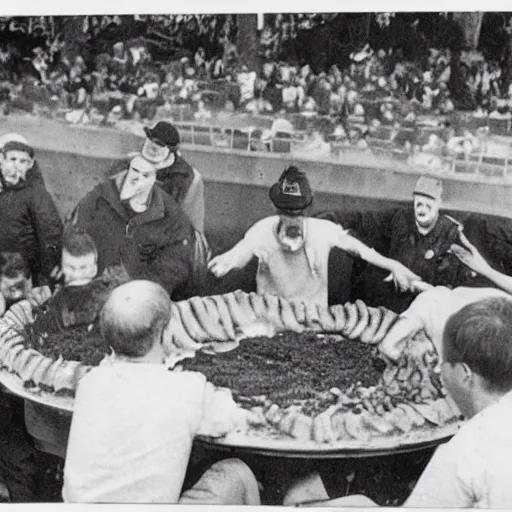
point(468, 254)
point(405, 279)
point(221, 265)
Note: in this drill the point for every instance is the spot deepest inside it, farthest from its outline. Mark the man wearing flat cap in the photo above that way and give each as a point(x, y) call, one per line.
point(293, 249)
point(420, 238)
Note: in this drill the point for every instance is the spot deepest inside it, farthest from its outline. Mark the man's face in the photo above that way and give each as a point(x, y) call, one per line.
point(426, 210)
point(14, 288)
point(15, 165)
point(290, 233)
point(154, 152)
point(78, 270)
point(140, 177)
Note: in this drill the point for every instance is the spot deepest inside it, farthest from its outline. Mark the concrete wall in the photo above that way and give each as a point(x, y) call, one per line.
point(74, 159)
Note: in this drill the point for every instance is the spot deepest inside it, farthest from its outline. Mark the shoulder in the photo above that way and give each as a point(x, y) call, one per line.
point(263, 227)
point(323, 228)
point(449, 226)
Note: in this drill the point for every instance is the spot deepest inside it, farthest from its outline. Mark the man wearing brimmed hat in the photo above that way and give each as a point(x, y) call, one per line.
point(293, 249)
point(420, 238)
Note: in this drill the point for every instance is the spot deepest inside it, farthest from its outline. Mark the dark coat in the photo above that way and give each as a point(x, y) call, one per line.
point(155, 245)
point(30, 224)
point(174, 179)
point(394, 234)
point(181, 183)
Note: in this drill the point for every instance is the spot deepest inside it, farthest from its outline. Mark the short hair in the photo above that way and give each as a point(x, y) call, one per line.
point(133, 333)
point(480, 335)
point(12, 265)
point(77, 242)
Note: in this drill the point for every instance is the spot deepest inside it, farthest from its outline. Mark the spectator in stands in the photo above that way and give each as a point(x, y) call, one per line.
point(119, 63)
point(30, 223)
point(293, 250)
point(134, 223)
point(420, 238)
point(258, 105)
point(246, 79)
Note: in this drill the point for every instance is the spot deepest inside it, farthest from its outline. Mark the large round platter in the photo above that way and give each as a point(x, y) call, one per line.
point(15, 385)
point(268, 443)
point(16, 373)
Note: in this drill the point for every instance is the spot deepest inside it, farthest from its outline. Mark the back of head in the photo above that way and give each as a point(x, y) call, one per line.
point(77, 242)
point(480, 335)
point(134, 317)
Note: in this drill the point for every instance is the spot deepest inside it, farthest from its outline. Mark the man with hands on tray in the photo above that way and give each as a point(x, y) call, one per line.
point(133, 444)
point(293, 249)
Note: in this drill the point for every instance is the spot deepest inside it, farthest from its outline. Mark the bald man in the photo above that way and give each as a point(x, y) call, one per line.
point(134, 420)
point(135, 223)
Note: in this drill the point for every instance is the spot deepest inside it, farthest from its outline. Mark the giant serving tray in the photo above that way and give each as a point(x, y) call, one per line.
point(267, 441)
point(263, 439)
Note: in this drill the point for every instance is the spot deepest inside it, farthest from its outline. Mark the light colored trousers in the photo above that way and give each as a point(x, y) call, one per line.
point(227, 482)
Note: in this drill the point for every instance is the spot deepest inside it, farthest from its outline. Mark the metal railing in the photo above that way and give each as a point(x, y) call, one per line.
point(250, 139)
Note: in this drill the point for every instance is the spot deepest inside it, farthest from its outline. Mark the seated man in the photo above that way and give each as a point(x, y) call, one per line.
point(473, 468)
point(293, 249)
point(134, 421)
point(135, 224)
point(30, 224)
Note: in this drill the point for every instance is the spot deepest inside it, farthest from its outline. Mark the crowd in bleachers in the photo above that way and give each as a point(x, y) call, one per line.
point(380, 99)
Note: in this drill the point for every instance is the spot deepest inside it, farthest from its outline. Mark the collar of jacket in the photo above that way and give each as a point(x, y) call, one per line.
point(4, 186)
point(156, 207)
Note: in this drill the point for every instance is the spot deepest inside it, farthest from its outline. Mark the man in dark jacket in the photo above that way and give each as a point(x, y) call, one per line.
point(30, 223)
point(136, 224)
point(420, 238)
point(174, 174)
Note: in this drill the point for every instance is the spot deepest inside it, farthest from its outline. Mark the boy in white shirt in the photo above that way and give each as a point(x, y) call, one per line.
point(134, 421)
point(293, 249)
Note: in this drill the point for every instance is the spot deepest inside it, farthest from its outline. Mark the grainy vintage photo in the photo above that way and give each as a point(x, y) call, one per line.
point(256, 259)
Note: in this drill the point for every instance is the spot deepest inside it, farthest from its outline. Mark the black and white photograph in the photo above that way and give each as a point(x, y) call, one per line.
point(302, 220)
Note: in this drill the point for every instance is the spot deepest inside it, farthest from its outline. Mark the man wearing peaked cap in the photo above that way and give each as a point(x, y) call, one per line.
point(293, 249)
point(31, 172)
point(420, 238)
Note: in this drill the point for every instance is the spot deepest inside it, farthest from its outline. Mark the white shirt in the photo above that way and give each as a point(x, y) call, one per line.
point(300, 275)
point(434, 307)
point(474, 468)
point(132, 432)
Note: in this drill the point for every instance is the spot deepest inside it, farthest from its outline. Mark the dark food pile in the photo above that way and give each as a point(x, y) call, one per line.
point(67, 325)
point(83, 343)
point(291, 368)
